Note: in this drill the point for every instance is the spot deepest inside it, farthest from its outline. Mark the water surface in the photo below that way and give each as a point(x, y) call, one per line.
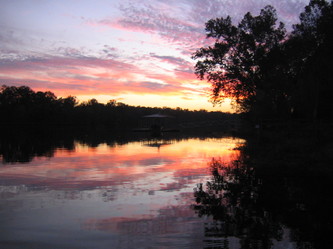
point(136, 194)
point(90, 189)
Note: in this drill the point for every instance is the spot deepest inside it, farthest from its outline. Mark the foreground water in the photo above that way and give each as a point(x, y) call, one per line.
point(96, 191)
point(133, 195)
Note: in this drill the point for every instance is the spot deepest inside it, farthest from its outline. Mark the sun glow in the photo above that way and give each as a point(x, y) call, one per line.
point(136, 55)
point(153, 100)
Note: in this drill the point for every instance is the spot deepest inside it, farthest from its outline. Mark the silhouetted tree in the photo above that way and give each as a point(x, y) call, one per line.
point(22, 105)
point(234, 64)
point(310, 53)
point(69, 102)
point(268, 73)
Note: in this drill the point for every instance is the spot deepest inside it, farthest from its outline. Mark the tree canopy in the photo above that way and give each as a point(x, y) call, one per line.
point(267, 71)
point(22, 105)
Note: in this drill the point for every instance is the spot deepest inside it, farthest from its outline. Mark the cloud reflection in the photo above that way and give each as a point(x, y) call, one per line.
point(121, 190)
point(168, 168)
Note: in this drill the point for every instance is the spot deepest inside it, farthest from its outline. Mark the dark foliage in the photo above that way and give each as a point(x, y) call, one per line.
point(21, 105)
point(268, 72)
point(278, 189)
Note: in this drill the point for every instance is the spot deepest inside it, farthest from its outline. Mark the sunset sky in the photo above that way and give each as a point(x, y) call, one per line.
point(136, 52)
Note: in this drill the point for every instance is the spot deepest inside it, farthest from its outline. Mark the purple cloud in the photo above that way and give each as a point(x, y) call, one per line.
point(182, 22)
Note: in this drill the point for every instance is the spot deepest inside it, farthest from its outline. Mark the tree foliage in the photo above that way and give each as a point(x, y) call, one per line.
point(310, 53)
point(234, 64)
point(265, 70)
point(22, 105)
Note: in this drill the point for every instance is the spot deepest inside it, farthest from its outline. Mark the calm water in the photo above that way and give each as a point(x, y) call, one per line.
point(94, 191)
point(134, 195)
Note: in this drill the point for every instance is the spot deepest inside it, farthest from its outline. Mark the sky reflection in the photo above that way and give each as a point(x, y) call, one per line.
point(122, 190)
point(129, 163)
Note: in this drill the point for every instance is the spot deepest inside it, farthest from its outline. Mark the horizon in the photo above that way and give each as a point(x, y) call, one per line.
point(135, 52)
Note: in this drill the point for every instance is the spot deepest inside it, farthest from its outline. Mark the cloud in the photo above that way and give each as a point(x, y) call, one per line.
point(171, 59)
point(183, 69)
point(72, 59)
point(72, 72)
point(182, 22)
point(149, 18)
point(41, 84)
point(153, 19)
point(109, 52)
point(143, 47)
point(203, 10)
point(154, 86)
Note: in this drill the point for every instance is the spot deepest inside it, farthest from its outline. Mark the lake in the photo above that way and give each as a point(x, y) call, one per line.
point(132, 195)
point(167, 192)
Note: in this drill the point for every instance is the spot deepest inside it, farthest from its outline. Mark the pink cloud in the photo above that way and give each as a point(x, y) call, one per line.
point(182, 23)
point(82, 74)
point(176, 24)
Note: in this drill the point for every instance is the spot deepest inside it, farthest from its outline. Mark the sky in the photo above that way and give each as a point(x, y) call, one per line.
point(135, 52)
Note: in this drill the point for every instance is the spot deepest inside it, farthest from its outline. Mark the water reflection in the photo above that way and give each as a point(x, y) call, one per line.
point(23, 144)
point(258, 205)
point(106, 190)
point(118, 193)
point(232, 199)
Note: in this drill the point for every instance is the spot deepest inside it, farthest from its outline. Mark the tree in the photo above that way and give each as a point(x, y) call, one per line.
point(69, 102)
point(234, 65)
point(111, 103)
point(311, 51)
point(11, 95)
point(233, 199)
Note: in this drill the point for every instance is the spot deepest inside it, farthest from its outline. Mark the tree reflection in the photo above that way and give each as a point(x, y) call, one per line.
point(21, 144)
point(268, 200)
point(232, 199)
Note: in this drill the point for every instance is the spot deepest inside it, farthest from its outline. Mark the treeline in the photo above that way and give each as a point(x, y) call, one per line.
point(273, 74)
point(22, 105)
